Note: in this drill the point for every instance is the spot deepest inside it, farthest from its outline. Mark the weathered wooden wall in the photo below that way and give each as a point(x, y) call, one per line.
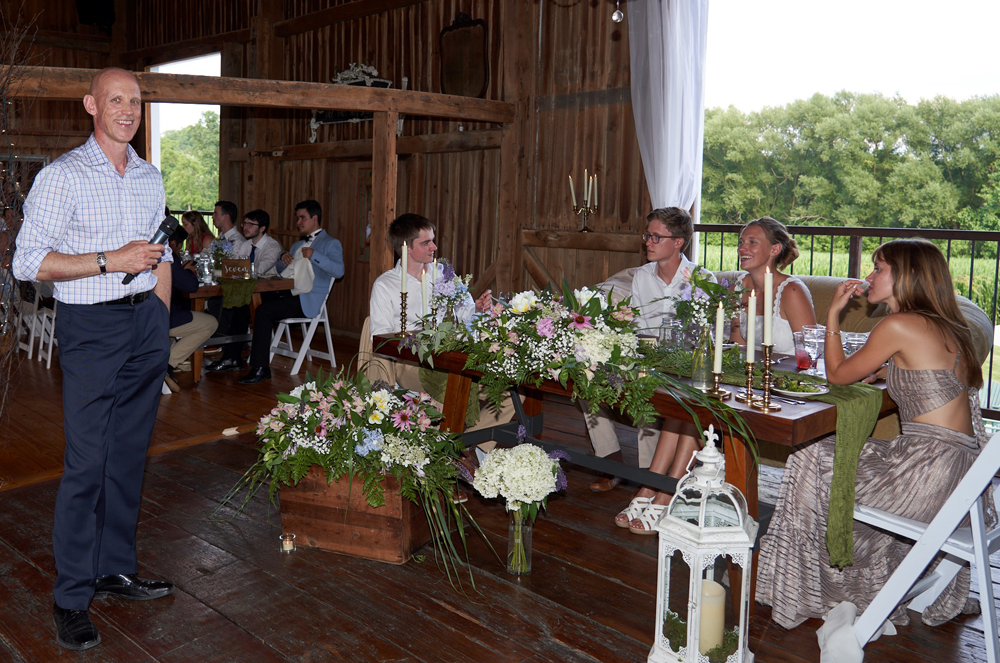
point(564, 64)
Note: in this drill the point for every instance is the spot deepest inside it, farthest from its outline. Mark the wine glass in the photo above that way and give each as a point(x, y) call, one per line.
point(813, 337)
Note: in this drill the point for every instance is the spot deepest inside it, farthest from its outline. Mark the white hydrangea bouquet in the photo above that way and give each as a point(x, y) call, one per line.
point(524, 476)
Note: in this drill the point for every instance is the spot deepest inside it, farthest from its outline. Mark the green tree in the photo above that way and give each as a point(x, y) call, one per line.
point(854, 159)
point(189, 160)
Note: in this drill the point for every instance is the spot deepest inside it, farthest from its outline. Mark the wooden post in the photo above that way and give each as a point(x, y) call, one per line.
point(230, 119)
point(741, 471)
point(263, 184)
point(515, 210)
point(384, 163)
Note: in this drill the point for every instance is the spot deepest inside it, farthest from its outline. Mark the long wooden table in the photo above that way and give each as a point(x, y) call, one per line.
point(792, 425)
point(205, 292)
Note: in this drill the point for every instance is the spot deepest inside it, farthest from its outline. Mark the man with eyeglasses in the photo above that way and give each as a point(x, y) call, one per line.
point(668, 232)
point(263, 251)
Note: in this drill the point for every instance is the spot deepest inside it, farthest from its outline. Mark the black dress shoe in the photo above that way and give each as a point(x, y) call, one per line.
point(74, 630)
point(224, 365)
point(256, 375)
point(131, 587)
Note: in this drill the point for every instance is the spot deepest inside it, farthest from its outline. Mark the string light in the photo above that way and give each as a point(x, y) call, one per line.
point(618, 15)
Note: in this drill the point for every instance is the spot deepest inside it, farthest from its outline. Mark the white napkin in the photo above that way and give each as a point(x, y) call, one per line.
point(837, 642)
point(302, 273)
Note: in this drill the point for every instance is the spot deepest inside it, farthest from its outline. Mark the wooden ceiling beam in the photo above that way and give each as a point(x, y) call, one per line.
point(186, 48)
point(347, 12)
point(71, 84)
point(456, 141)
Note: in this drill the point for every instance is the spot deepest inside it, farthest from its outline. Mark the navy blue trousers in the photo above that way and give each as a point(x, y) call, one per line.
point(113, 359)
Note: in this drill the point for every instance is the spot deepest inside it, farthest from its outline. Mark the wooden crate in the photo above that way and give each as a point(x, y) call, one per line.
point(322, 516)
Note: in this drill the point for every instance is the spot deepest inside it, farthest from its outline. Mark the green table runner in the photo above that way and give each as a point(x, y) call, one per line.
point(858, 406)
point(237, 292)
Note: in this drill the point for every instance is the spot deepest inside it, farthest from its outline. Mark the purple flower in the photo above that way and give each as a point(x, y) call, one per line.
point(561, 482)
point(447, 271)
point(463, 472)
point(545, 327)
point(581, 322)
point(724, 283)
point(700, 294)
point(522, 433)
point(558, 454)
point(380, 385)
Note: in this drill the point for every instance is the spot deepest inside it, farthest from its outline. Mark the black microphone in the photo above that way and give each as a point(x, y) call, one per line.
point(163, 233)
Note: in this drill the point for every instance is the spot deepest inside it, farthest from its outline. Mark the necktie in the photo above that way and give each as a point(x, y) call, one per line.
point(253, 252)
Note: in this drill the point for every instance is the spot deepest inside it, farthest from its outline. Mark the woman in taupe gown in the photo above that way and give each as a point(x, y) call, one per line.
point(926, 349)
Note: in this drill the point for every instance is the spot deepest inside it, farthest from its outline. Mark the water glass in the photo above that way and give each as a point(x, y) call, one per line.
point(802, 360)
point(813, 337)
point(671, 332)
point(853, 342)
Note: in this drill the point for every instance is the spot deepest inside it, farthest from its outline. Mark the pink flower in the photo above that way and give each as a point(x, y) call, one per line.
point(494, 347)
point(338, 384)
point(545, 327)
point(554, 374)
point(623, 314)
point(512, 336)
point(403, 419)
point(581, 322)
point(508, 352)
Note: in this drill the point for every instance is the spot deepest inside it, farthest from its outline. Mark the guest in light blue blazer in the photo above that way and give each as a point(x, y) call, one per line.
point(326, 256)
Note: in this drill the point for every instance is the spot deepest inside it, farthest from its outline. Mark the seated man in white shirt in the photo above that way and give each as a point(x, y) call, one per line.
point(385, 305)
point(668, 233)
point(263, 251)
point(224, 219)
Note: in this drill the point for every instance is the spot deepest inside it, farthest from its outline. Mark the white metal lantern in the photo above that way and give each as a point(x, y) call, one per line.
point(707, 519)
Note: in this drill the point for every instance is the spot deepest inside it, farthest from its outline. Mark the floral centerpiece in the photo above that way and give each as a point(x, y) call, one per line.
point(221, 249)
point(450, 290)
point(352, 428)
point(696, 307)
point(575, 337)
point(524, 476)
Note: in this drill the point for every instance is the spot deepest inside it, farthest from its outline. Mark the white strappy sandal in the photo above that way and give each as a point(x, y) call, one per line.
point(633, 510)
point(648, 519)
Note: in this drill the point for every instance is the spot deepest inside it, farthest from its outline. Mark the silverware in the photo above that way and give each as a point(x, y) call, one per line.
point(790, 401)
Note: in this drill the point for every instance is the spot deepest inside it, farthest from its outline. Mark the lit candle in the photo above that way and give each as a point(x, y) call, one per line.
point(751, 326)
point(423, 291)
point(586, 188)
point(768, 303)
point(713, 615)
point(402, 284)
point(572, 191)
point(595, 189)
point(720, 324)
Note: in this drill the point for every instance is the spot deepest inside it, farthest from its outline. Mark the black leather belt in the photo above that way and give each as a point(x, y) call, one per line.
point(131, 300)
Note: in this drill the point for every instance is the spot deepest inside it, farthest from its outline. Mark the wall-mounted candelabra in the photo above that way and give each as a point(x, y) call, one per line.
point(589, 197)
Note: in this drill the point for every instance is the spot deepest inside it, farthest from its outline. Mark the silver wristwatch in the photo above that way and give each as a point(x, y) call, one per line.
point(102, 262)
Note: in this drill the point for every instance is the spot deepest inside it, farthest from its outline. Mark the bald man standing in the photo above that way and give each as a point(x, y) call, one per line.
point(87, 223)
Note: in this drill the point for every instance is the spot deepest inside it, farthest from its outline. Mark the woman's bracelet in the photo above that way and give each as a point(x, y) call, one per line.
point(832, 333)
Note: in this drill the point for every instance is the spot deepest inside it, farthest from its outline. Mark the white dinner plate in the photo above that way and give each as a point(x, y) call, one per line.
point(820, 390)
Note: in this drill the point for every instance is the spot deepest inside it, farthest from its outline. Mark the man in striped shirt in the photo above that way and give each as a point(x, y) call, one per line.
point(87, 224)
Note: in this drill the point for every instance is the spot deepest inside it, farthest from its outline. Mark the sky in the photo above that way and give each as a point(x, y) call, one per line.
point(178, 116)
point(771, 52)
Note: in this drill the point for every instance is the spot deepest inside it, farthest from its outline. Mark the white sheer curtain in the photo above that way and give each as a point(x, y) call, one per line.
point(667, 41)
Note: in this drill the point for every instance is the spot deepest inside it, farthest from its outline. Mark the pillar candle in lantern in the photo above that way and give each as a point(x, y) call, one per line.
point(720, 325)
point(751, 326)
point(768, 303)
point(713, 615)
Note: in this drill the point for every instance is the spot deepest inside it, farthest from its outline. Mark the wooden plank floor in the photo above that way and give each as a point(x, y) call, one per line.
point(590, 596)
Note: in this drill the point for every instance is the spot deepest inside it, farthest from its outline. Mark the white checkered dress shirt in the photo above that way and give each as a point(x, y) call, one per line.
point(80, 204)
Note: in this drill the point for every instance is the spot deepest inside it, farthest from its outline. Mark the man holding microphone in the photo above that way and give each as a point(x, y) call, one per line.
point(88, 221)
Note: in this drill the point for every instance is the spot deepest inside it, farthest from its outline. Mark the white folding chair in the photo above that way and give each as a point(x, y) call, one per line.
point(30, 325)
point(281, 342)
point(961, 545)
point(47, 333)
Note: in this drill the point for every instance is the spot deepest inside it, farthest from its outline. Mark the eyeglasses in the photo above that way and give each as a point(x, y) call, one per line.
point(250, 223)
point(656, 238)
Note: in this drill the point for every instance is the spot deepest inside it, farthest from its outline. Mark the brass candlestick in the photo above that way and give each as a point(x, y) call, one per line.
point(585, 210)
point(748, 397)
point(765, 404)
point(402, 308)
point(717, 392)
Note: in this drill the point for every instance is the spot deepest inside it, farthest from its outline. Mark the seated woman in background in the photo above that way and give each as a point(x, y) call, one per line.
point(199, 236)
point(763, 243)
point(934, 378)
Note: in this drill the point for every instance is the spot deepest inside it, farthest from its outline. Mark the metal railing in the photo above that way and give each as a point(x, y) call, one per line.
point(973, 257)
